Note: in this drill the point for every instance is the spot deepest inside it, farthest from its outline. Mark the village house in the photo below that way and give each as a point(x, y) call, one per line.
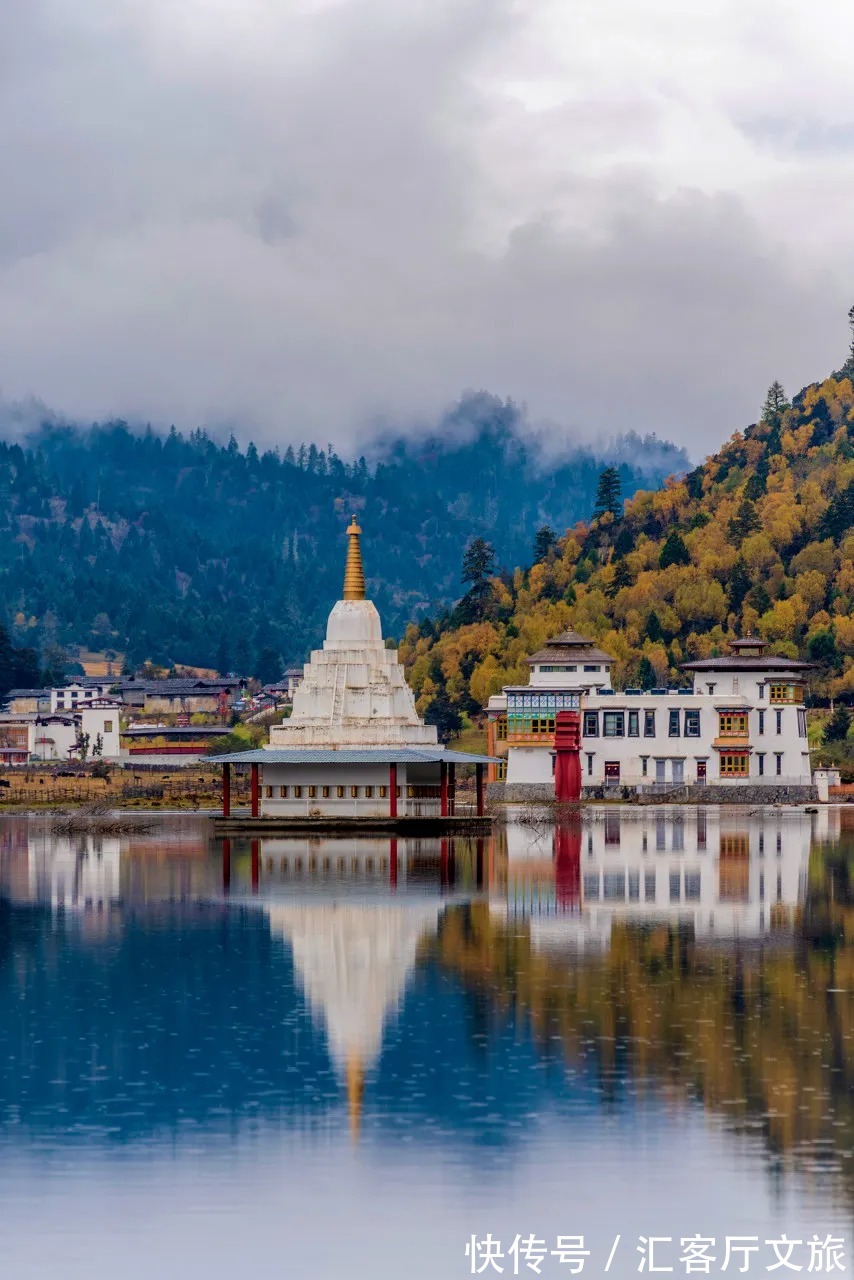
point(26, 701)
point(86, 733)
point(179, 696)
point(738, 720)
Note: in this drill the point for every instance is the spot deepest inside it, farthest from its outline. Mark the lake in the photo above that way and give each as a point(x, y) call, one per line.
point(357, 1058)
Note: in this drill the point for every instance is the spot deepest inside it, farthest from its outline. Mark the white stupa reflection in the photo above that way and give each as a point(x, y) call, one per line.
point(353, 962)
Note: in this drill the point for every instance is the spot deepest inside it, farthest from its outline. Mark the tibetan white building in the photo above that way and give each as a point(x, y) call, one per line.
point(738, 720)
point(354, 746)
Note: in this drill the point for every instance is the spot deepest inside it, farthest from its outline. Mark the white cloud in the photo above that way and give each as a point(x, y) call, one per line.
point(300, 216)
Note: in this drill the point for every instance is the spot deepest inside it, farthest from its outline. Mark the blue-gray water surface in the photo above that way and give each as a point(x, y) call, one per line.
point(360, 1058)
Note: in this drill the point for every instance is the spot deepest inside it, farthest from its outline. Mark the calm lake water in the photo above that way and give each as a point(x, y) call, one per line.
point(346, 1058)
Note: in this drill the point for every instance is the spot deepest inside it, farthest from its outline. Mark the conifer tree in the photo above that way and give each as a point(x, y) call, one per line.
point(775, 404)
point(609, 494)
point(544, 543)
point(848, 367)
point(836, 729)
point(674, 551)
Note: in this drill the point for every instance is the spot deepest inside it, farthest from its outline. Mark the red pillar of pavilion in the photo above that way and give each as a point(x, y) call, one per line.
point(256, 863)
point(478, 782)
point(256, 790)
point(443, 789)
point(568, 756)
point(444, 862)
point(392, 791)
point(226, 790)
point(226, 863)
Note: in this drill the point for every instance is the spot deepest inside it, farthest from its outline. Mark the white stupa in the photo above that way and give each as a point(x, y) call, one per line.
point(354, 691)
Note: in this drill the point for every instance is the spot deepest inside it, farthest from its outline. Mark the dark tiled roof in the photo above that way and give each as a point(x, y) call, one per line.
point(768, 662)
point(569, 647)
point(28, 693)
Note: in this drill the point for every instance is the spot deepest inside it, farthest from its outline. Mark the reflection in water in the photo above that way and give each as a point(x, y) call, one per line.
point(481, 1000)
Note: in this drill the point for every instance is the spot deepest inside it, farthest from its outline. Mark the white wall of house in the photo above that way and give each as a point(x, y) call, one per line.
point(667, 738)
point(726, 873)
point(289, 790)
point(75, 694)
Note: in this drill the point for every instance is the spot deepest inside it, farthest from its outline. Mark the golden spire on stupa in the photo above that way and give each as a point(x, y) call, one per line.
point(354, 574)
point(355, 1092)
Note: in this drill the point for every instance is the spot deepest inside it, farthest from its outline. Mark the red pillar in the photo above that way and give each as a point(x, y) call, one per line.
point(226, 863)
point(256, 790)
point(567, 756)
point(452, 788)
point(443, 789)
point(392, 862)
point(256, 862)
point(226, 790)
point(478, 776)
point(392, 791)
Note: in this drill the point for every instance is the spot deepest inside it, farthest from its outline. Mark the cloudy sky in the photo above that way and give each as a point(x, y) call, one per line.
point(304, 216)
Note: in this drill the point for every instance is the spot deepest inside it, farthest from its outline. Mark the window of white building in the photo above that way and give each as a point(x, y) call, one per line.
point(692, 724)
point(673, 724)
point(591, 724)
point(613, 724)
point(649, 724)
point(634, 724)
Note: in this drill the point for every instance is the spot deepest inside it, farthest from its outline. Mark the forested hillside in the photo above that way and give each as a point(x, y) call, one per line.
point(182, 550)
point(760, 538)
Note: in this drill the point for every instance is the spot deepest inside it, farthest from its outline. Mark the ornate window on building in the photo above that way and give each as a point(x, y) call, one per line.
point(785, 693)
point(501, 771)
point(735, 845)
point(734, 764)
point(501, 728)
point(732, 724)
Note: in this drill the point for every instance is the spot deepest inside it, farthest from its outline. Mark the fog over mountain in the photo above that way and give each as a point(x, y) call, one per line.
point(304, 220)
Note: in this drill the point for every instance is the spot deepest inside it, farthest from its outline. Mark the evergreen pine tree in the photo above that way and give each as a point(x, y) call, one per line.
point(7, 662)
point(739, 585)
point(646, 674)
point(544, 543)
point(848, 367)
point(674, 550)
point(609, 494)
point(654, 629)
point(775, 404)
point(836, 729)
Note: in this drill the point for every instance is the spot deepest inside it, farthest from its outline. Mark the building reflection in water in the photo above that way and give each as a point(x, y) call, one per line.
point(721, 873)
point(703, 954)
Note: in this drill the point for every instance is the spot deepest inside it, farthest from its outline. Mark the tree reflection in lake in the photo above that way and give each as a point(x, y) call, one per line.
point(633, 966)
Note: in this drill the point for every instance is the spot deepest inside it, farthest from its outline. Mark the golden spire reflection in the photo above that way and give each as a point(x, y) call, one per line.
point(354, 574)
point(355, 1091)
